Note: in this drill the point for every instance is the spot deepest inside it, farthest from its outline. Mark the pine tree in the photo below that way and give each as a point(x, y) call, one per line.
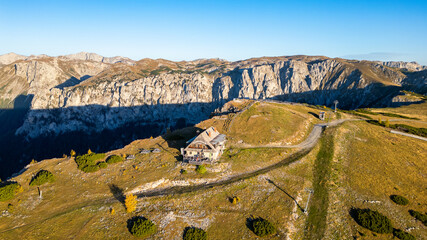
point(72, 153)
point(89, 151)
point(130, 203)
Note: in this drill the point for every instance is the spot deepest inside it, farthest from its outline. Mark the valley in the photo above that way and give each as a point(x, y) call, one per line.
point(364, 164)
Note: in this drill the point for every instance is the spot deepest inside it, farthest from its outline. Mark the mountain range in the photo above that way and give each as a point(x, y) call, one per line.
point(85, 95)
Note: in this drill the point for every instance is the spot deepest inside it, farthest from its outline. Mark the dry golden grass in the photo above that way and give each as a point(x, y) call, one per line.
point(418, 110)
point(266, 123)
point(370, 165)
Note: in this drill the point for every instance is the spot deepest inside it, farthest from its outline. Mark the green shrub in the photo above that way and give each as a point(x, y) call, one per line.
point(8, 190)
point(90, 168)
point(183, 171)
point(192, 233)
point(201, 169)
point(402, 235)
point(262, 227)
point(141, 227)
point(419, 216)
point(42, 177)
point(373, 221)
point(102, 165)
point(88, 159)
point(399, 199)
point(114, 159)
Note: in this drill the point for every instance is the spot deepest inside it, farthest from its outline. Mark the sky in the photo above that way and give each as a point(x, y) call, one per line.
point(231, 29)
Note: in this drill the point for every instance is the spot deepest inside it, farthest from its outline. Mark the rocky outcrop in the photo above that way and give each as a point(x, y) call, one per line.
point(84, 56)
point(406, 66)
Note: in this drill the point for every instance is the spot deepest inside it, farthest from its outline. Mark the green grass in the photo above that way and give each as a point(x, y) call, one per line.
point(319, 202)
point(266, 123)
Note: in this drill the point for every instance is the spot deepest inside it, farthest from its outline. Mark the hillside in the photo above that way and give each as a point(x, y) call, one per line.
point(268, 163)
point(73, 101)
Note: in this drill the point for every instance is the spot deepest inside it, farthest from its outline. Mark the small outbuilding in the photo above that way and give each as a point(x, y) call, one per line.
point(322, 116)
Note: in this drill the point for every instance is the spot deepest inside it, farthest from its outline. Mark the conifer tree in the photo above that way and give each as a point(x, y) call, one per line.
point(130, 203)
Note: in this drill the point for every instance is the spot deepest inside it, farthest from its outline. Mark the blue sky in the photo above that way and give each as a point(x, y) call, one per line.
point(233, 30)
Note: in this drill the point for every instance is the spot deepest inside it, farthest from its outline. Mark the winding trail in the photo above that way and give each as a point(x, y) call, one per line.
point(305, 146)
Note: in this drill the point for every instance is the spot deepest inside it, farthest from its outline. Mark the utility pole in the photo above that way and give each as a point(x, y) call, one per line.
point(336, 103)
point(310, 191)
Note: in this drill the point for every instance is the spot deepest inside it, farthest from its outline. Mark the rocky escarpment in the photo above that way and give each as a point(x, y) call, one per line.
point(406, 66)
point(102, 96)
point(53, 104)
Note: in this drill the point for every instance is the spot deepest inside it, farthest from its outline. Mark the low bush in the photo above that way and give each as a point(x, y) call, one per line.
point(419, 216)
point(42, 177)
point(183, 171)
point(141, 227)
point(8, 190)
point(399, 199)
point(409, 129)
point(201, 169)
point(102, 165)
point(192, 233)
point(88, 159)
point(402, 235)
point(114, 159)
point(373, 220)
point(262, 227)
point(90, 168)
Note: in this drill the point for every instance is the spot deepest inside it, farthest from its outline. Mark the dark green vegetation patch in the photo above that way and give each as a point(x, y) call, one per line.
point(402, 235)
point(102, 165)
point(419, 216)
point(372, 220)
point(192, 233)
point(42, 177)
point(114, 159)
point(141, 227)
point(89, 159)
point(261, 227)
point(8, 190)
point(402, 127)
point(399, 199)
point(201, 169)
point(90, 168)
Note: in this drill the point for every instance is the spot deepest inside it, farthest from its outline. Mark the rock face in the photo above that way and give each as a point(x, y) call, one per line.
point(87, 92)
point(407, 66)
point(84, 56)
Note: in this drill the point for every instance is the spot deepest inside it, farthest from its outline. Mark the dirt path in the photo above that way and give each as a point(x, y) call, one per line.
point(306, 147)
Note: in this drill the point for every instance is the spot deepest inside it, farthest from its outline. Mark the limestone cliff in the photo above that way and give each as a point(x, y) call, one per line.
point(91, 93)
